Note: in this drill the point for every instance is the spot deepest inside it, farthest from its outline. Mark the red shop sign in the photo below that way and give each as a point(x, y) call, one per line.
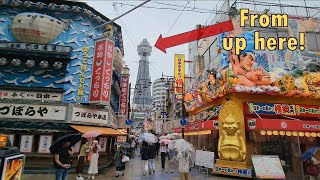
point(281, 125)
point(123, 105)
point(102, 72)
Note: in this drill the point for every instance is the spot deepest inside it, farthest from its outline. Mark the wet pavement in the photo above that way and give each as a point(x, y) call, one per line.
point(133, 171)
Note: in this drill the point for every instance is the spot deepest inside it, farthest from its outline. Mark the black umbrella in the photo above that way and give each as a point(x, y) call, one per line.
point(72, 138)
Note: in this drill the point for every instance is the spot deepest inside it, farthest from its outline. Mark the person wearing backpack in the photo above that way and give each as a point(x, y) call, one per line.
point(312, 169)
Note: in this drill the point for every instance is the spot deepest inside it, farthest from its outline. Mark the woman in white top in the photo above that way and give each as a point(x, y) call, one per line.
point(93, 166)
point(163, 152)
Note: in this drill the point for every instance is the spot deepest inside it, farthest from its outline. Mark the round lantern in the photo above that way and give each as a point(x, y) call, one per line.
point(75, 9)
point(40, 5)
point(3, 61)
point(44, 64)
point(28, 4)
point(16, 3)
point(52, 7)
point(16, 62)
point(57, 65)
point(88, 13)
point(30, 63)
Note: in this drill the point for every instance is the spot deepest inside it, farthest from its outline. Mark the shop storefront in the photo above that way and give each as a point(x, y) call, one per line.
point(202, 135)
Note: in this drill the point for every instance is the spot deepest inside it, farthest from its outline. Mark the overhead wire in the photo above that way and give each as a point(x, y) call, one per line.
point(124, 26)
point(174, 9)
point(174, 22)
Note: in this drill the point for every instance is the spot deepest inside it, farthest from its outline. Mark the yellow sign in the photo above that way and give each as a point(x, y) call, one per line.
point(179, 74)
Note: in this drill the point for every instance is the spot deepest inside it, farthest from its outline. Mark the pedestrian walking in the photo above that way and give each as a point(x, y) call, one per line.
point(93, 166)
point(184, 166)
point(157, 148)
point(163, 152)
point(152, 155)
point(85, 148)
point(133, 145)
point(62, 160)
point(120, 166)
point(144, 157)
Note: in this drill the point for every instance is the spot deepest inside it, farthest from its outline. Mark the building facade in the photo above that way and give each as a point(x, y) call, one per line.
point(47, 55)
point(264, 107)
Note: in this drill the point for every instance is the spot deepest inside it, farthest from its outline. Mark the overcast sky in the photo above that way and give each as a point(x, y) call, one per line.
point(150, 23)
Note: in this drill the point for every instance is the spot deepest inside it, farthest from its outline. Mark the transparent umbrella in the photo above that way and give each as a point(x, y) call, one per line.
point(181, 146)
point(148, 137)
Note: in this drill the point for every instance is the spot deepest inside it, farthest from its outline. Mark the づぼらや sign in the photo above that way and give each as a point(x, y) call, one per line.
point(89, 115)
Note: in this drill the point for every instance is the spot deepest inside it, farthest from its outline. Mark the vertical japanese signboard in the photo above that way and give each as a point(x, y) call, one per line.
point(179, 74)
point(124, 96)
point(102, 72)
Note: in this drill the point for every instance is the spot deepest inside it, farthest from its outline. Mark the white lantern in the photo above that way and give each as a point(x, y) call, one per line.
point(57, 65)
point(88, 13)
point(75, 9)
point(52, 7)
point(16, 3)
point(30, 63)
point(63, 8)
point(97, 18)
point(3, 2)
point(44, 64)
point(28, 4)
point(3, 61)
point(16, 62)
point(40, 5)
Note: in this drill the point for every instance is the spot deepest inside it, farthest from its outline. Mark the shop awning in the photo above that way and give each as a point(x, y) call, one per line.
point(284, 127)
point(199, 128)
point(34, 126)
point(103, 130)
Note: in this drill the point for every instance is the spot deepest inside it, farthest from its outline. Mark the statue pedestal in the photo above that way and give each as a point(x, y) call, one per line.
point(232, 168)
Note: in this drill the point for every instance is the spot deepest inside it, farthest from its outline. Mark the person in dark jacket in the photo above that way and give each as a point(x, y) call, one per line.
point(157, 148)
point(151, 164)
point(144, 151)
point(120, 166)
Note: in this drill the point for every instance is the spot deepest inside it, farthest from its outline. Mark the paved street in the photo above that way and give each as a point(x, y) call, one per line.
point(133, 172)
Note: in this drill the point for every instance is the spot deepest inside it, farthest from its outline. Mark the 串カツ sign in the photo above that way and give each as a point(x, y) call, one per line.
point(102, 72)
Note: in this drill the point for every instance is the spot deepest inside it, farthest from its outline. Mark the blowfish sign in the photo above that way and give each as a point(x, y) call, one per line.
point(102, 72)
point(179, 74)
point(124, 95)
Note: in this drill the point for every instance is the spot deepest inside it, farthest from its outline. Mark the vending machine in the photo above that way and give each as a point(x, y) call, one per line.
point(11, 160)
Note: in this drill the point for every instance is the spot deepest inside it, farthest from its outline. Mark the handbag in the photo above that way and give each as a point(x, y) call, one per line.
point(125, 158)
point(89, 155)
point(312, 169)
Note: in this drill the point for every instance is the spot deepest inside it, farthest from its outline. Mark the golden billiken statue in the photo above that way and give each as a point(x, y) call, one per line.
point(231, 145)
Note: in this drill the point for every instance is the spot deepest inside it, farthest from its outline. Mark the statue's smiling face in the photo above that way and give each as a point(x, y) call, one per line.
point(230, 125)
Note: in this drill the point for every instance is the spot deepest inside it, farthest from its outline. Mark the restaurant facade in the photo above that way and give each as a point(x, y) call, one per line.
point(51, 84)
point(266, 102)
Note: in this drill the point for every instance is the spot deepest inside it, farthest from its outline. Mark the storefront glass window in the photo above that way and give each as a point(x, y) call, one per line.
point(285, 147)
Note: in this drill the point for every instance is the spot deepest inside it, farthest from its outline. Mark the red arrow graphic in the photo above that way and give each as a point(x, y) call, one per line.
point(164, 43)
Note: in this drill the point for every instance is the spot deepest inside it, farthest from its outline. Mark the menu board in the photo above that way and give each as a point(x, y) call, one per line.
point(44, 144)
point(204, 158)
point(267, 167)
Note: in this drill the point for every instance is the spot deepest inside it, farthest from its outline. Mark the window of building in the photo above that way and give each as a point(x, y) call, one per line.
point(313, 41)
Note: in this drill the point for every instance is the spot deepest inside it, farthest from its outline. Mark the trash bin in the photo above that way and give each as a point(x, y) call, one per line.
point(11, 160)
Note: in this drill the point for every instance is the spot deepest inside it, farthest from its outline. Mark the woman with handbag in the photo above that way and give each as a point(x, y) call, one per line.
point(93, 166)
point(120, 161)
point(82, 159)
point(312, 169)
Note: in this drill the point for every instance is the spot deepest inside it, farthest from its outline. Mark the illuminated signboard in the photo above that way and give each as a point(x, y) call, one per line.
point(179, 74)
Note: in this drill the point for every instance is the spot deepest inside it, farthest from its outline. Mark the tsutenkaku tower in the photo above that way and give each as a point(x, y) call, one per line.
point(142, 92)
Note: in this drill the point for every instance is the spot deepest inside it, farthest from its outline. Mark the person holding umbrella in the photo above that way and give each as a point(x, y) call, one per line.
point(81, 159)
point(163, 152)
point(93, 166)
point(144, 157)
point(61, 150)
point(62, 160)
point(310, 163)
point(120, 166)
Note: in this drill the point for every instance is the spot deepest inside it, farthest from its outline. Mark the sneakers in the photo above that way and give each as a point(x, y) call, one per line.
point(79, 178)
